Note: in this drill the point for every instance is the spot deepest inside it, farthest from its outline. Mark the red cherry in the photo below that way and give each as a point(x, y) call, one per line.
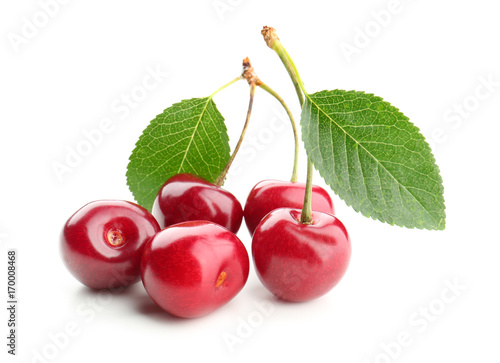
point(102, 243)
point(300, 262)
point(186, 197)
point(269, 195)
point(192, 268)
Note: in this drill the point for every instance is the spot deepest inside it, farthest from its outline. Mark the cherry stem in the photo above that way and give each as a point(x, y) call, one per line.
point(252, 80)
point(226, 85)
point(306, 215)
point(273, 42)
point(295, 171)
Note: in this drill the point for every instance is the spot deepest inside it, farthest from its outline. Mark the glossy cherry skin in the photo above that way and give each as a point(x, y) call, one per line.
point(192, 268)
point(187, 197)
point(299, 262)
point(269, 195)
point(102, 243)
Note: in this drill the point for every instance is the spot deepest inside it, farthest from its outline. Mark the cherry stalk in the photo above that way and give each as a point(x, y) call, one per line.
point(269, 195)
point(273, 42)
point(188, 197)
point(252, 79)
point(269, 90)
point(299, 255)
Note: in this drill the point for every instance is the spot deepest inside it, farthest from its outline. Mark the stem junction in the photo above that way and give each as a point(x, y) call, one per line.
point(249, 75)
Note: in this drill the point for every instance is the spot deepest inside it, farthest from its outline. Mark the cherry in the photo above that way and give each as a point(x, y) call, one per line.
point(298, 261)
point(192, 268)
point(102, 243)
point(187, 197)
point(269, 195)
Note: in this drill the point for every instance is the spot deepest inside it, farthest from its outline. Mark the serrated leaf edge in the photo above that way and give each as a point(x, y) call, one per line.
point(438, 225)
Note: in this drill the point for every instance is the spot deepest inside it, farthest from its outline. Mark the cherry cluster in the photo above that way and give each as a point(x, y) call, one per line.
point(188, 255)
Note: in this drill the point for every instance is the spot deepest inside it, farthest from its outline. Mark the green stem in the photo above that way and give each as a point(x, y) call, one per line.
point(225, 86)
point(291, 69)
point(220, 179)
point(274, 43)
point(295, 171)
point(306, 215)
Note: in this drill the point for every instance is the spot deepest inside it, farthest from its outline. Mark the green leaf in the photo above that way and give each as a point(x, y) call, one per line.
point(188, 137)
point(374, 158)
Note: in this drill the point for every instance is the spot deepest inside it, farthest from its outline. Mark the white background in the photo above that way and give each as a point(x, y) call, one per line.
point(426, 59)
